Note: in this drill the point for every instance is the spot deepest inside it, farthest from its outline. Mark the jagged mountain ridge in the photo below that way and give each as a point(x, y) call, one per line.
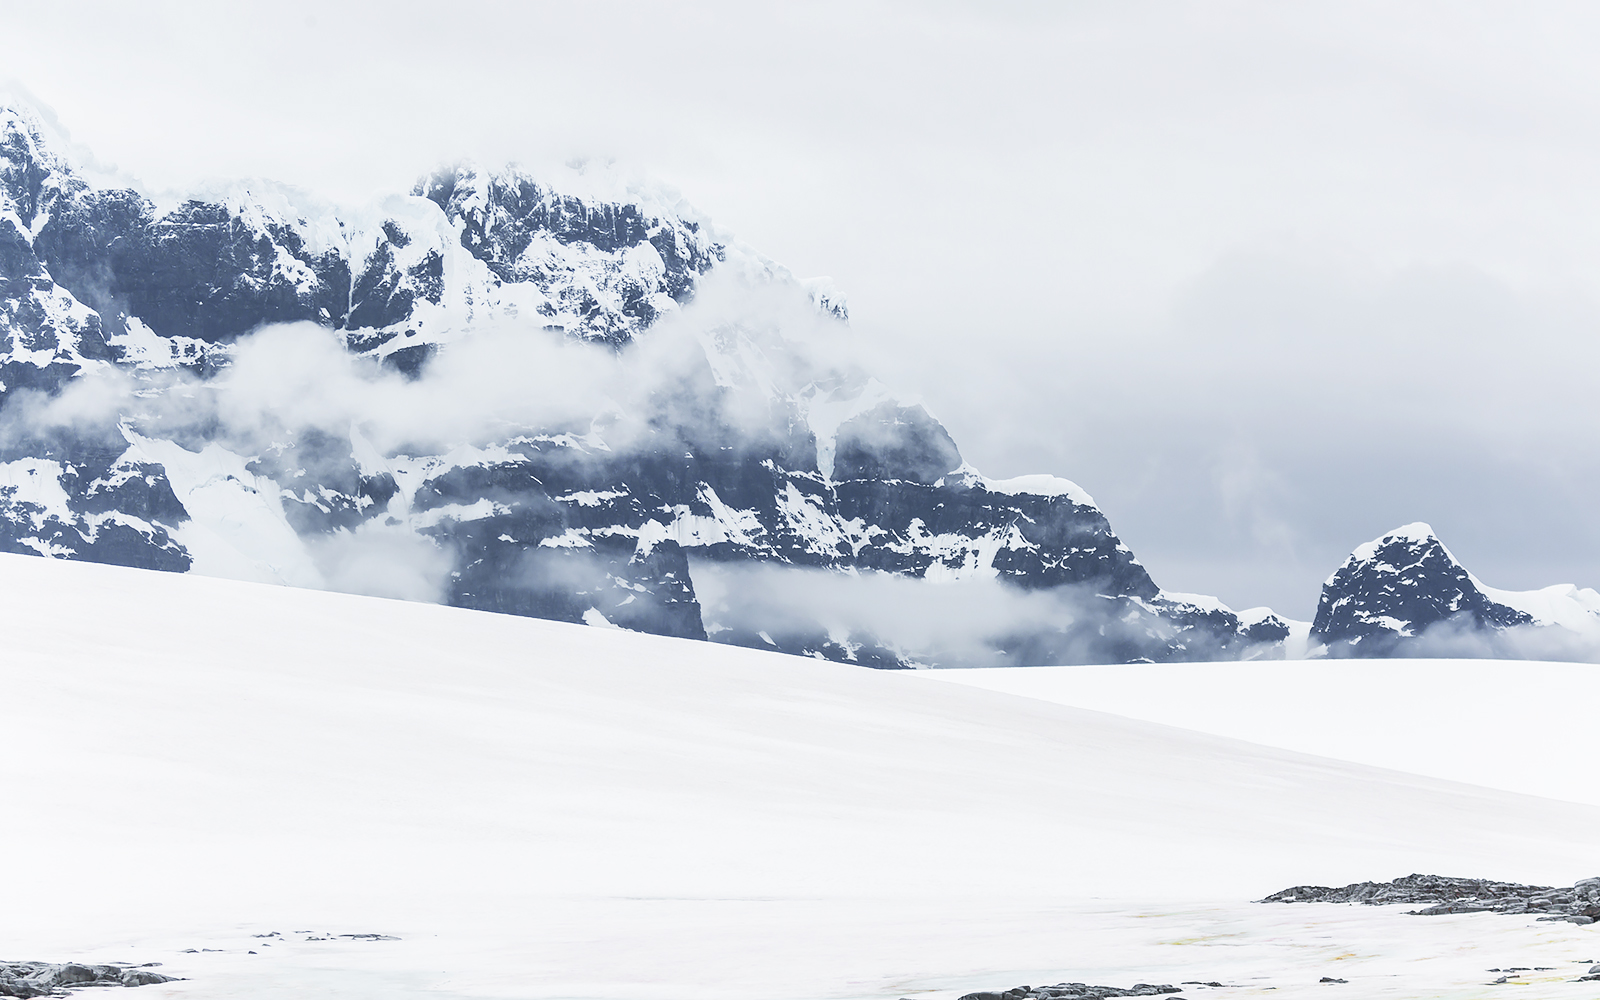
point(834, 473)
point(1405, 593)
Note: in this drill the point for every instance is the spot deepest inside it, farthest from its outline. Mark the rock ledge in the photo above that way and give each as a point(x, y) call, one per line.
point(44, 979)
point(1074, 991)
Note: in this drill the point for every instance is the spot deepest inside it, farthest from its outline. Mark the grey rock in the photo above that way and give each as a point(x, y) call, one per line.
point(1074, 991)
point(1408, 577)
point(44, 979)
point(1579, 905)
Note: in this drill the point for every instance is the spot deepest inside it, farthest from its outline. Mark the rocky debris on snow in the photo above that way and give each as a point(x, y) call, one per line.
point(1579, 904)
point(1514, 975)
point(1074, 991)
point(43, 979)
point(369, 936)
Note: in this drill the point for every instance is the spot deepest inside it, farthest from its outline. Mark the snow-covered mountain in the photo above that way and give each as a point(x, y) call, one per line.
point(1405, 594)
point(493, 394)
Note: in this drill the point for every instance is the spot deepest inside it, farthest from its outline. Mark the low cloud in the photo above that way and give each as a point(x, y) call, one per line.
point(719, 373)
point(382, 560)
point(969, 623)
point(710, 373)
point(1464, 639)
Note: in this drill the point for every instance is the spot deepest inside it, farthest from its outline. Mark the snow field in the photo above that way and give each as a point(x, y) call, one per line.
point(542, 810)
point(1517, 725)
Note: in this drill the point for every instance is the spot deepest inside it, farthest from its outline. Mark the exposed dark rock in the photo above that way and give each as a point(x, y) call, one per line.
point(891, 442)
point(322, 486)
point(556, 521)
point(1267, 629)
point(1074, 991)
point(503, 217)
point(1394, 588)
point(204, 270)
point(83, 498)
point(1579, 904)
point(44, 979)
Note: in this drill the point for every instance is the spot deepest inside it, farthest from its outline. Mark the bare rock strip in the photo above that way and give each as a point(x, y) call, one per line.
point(44, 979)
point(1578, 904)
point(1074, 991)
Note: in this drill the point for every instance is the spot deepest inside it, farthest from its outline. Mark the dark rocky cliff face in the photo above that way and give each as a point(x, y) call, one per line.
point(578, 523)
point(201, 271)
point(512, 224)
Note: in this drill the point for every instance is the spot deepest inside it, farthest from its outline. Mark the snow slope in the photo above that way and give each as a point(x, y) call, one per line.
point(1507, 724)
point(538, 809)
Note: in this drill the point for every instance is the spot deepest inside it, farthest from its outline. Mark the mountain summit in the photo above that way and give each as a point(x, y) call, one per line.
point(1405, 594)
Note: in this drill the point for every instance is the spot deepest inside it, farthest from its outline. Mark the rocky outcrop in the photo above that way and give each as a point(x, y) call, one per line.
point(43, 979)
point(1396, 586)
point(1074, 991)
point(1579, 904)
point(606, 271)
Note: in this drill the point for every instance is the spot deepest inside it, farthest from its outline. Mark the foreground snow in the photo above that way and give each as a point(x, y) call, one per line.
point(543, 810)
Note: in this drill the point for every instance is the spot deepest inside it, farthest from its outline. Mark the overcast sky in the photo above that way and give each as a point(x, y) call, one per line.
point(1266, 279)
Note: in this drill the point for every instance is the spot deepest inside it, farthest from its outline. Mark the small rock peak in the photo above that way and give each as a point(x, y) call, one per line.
point(28, 159)
point(1396, 587)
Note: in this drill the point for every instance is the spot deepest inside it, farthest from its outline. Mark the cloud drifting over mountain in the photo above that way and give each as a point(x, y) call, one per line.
point(1265, 279)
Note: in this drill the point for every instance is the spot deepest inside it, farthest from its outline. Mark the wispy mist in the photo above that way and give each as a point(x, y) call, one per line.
point(719, 364)
point(1462, 639)
point(293, 406)
point(977, 621)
